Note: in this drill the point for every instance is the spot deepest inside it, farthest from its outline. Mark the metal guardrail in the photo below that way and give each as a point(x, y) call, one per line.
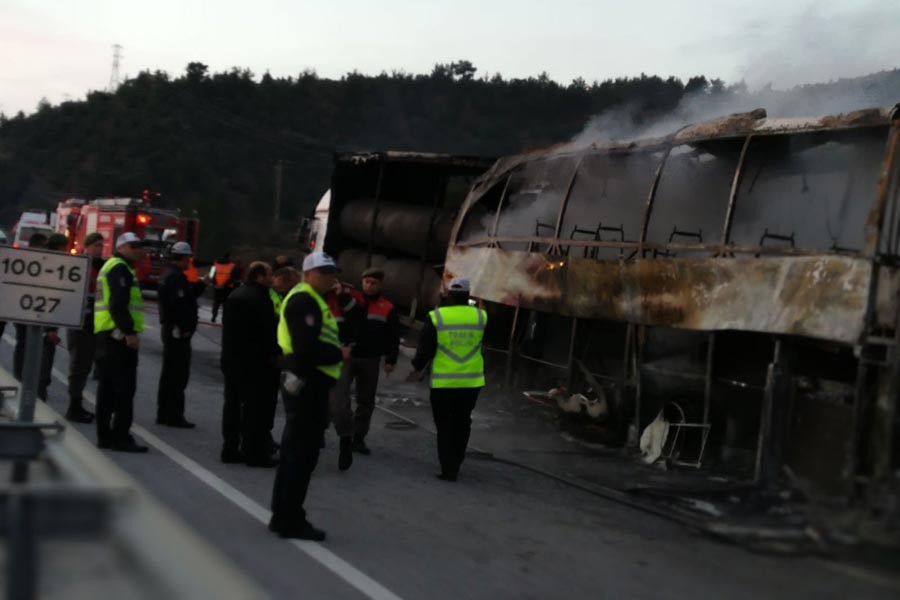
point(90, 497)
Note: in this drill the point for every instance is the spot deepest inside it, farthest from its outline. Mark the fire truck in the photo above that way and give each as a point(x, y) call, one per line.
point(159, 229)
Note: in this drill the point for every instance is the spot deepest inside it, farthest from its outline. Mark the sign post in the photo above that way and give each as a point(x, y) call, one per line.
point(39, 288)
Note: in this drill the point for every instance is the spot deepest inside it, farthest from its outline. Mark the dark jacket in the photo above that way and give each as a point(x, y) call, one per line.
point(427, 347)
point(351, 316)
point(120, 279)
point(304, 322)
point(178, 300)
point(249, 330)
point(377, 336)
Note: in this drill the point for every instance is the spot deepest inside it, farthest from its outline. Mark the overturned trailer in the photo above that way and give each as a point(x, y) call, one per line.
point(396, 210)
point(740, 275)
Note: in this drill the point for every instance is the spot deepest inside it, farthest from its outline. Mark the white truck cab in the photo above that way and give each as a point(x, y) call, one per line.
point(31, 222)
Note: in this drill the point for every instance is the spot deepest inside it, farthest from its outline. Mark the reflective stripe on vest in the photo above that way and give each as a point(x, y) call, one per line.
point(328, 334)
point(103, 319)
point(458, 362)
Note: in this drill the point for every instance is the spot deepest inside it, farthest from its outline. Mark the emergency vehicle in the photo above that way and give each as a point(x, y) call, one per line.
point(159, 229)
point(31, 222)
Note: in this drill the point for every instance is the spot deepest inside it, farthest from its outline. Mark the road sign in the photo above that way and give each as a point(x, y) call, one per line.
point(42, 287)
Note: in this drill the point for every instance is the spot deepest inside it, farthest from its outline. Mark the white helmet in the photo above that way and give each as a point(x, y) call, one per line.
point(181, 249)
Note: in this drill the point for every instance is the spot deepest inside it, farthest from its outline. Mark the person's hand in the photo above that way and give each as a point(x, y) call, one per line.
point(415, 376)
point(345, 352)
point(337, 288)
point(131, 341)
point(388, 369)
point(53, 337)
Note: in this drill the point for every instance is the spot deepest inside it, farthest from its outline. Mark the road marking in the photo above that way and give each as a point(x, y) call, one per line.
point(331, 561)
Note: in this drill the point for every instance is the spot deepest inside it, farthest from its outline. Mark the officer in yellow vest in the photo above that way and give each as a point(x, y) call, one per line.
point(451, 341)
point(308, 336)
point(118, 319)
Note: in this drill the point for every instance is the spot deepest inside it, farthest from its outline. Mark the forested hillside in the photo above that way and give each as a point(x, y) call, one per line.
point(210, 141)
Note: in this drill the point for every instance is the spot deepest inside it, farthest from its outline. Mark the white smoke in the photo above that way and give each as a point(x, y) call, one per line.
point(826, 42)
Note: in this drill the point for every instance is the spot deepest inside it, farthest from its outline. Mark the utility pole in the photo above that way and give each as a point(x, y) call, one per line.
point(279, 167)
point(114, 75)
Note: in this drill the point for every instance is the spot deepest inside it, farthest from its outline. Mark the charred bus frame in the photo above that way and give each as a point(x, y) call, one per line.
point(837, 302)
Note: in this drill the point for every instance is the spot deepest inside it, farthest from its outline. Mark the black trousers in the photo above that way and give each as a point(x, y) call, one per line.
point(173, 378)
point(307, 419)
point(365, 372)
point(271, 400)
point(115, 391)
point(82, 345)
point(452, 410)
point(220, 294)
point(248, 413)
point(48, 353)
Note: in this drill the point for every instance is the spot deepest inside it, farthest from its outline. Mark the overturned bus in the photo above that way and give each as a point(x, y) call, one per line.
point(739, 277)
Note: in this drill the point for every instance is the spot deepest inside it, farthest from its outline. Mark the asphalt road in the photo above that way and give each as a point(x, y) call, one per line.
point(395, 530)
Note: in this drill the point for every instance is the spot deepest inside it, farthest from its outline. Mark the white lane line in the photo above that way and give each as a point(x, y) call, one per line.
point(350, 574)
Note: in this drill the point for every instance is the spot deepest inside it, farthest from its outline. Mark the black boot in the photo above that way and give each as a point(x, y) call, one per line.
point(359, 445)
point(77, 414)
point(345, 458)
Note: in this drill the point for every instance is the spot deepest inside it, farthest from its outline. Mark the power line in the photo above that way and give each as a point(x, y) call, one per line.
point(114, 75)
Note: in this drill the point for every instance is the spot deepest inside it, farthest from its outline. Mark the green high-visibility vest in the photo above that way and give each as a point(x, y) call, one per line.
point(276, 300)
point(103, 320)
point(458, 362)
point(328, 334)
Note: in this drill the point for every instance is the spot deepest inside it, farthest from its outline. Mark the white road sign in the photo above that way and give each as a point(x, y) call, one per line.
point(43, 288)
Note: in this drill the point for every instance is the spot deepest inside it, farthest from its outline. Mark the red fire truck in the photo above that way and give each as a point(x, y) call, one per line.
point(159, 229)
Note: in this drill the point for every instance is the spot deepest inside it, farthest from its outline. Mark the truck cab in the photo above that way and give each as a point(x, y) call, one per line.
point(31, 222)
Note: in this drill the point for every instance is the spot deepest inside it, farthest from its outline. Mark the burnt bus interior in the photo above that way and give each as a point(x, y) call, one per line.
point(739, 275)
point(396, 210)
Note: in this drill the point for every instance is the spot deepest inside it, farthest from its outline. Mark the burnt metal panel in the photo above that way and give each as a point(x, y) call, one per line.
point(822, 297)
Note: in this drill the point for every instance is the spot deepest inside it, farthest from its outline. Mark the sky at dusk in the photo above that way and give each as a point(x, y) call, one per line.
point(60, 49)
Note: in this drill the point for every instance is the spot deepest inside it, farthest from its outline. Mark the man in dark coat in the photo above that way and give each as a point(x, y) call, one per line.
point(82, 343)
point(250, 357)
point(178, 320)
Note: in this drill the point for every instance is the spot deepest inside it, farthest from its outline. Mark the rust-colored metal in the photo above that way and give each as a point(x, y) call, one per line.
point(735, 187)
point(648, 207)
point(565, 200)
point(816, 296)
point(875, 220)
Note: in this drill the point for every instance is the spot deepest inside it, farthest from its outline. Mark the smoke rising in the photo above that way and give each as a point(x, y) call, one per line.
point(826, 42)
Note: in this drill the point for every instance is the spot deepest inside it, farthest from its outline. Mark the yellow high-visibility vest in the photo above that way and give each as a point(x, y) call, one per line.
point(103, 320)
point(458, 362)
point(328, 334)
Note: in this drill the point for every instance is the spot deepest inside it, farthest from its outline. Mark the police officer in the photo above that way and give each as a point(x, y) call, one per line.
point(178, 320)
point(118, 319)
point(82, 343)
point(451, 341)
point(249, 362)
point(284, 279)
point(308, 336)
point(57, 242)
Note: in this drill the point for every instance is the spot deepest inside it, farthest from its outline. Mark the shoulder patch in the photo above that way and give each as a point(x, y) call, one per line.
point(310, 320)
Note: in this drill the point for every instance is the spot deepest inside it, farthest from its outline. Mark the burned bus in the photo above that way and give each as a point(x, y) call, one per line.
point(739, 276)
